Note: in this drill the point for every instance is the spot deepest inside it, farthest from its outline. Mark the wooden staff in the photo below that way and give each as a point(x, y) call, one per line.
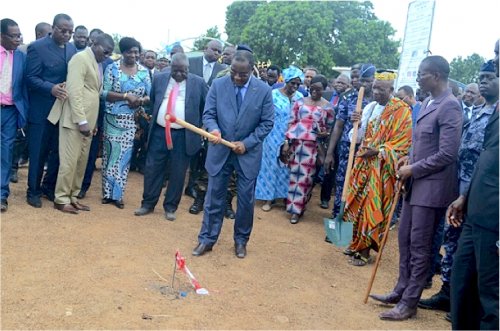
point(352, 149)
point(197, 130)
point(397, 194)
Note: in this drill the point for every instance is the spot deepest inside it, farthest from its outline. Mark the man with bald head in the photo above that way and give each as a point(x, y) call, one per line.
point(188, 93)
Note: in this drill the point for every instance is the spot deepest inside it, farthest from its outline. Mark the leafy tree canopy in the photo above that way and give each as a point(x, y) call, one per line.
point(466, 70)
point(322, 34)
point(201, 43)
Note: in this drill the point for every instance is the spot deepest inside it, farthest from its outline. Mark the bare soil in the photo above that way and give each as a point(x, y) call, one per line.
point(96, 270)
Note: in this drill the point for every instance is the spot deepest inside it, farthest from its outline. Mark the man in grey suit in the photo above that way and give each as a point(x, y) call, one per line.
point(432, 171)
point(239, 108)
point(187, 104)
point(206, 66)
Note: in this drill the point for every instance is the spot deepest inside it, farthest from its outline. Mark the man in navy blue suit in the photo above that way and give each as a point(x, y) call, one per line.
point(46, 69)
point(13, 99)
point(239, 108)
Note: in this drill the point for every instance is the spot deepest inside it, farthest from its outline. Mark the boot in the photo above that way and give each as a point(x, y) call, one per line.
point(197, 205)
point(439, 301)
point(229, 207)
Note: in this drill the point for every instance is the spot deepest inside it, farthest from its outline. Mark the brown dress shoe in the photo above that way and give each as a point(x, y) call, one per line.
point(400, 312)
point(80, 206)
point(389, 299)
point(66, 208)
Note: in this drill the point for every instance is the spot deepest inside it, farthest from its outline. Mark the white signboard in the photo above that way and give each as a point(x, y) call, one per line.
point(416, 41)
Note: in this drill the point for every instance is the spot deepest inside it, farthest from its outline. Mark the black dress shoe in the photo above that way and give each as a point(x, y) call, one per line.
point(143, 211)
point(389, 299)
point(105, 201)
point(400, 312)
point(439, 301)
point(34, 202)
point(240, 250)
point(201, 249)
point(81, 194)
point(119, 204)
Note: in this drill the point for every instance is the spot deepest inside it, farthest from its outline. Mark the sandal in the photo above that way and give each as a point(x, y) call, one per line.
point(359, 260)
point(266, 207)
point(349, 252)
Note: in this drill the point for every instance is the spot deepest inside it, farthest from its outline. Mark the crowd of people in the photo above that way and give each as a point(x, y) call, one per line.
point(274, 133)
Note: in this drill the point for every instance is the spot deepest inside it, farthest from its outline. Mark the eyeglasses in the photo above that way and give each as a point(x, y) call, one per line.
point(14, 36)
point(64, 31)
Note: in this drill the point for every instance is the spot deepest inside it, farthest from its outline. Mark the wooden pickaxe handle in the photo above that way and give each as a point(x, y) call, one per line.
point(197, 130)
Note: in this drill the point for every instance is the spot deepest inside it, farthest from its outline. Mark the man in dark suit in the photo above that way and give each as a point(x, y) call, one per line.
point(206, 66)
point(13, 97)
point(239, 108)
point(432, 170)
point(46, 69)
point(176, 92)
point(469, 100)
point(474, 276)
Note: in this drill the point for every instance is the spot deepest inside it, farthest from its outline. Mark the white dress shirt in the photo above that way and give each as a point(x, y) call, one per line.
point(180, 104)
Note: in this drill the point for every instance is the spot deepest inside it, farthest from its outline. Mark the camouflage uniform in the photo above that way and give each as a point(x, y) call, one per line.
point(468, 154)
point(345, 109)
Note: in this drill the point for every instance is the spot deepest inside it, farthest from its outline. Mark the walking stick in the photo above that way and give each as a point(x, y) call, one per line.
point(196, 129)
point(399, 185)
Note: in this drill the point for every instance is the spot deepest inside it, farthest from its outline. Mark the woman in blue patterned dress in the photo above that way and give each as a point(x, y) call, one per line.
point(272, 182)
point(126, 89)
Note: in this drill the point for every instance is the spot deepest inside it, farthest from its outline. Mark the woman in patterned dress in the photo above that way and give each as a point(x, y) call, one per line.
point(272, 182)
point(311, 119)
point(126, 89)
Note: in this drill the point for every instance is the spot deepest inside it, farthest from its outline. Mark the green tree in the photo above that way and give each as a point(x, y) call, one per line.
point(116, 39)
point(318, 33)
point(237, 15)
point(466, 70)
point(201, 43)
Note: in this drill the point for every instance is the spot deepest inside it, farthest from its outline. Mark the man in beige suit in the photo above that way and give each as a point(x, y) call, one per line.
point(77, 117)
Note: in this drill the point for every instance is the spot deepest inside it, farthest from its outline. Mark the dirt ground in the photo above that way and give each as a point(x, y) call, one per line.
point(96, 270)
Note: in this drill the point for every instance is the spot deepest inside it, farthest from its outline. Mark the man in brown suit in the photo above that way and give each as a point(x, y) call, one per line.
point(433, 185)
point(77, 116)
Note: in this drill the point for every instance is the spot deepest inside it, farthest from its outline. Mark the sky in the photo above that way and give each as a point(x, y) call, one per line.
point(460, 28)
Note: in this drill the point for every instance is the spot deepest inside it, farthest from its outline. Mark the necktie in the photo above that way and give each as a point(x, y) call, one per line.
point(172, 98)
point(6, 77)
point(467, 112)
point(207, 72)
point(239, 99)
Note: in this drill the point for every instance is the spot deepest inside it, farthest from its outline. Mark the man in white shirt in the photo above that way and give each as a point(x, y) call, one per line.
point(182, 94)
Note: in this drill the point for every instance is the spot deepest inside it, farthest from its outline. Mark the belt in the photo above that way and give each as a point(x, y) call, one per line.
point(7, 106)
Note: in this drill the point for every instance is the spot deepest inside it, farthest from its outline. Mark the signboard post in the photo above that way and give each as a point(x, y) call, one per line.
point(416, 41)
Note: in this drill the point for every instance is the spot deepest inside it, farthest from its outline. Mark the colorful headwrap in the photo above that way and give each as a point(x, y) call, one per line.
point(488, 66)
point(367, 70)
point(292, 72)
point(385, 75)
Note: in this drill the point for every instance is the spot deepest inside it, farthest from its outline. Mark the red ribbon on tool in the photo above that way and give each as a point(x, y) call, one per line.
point(172, 98)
